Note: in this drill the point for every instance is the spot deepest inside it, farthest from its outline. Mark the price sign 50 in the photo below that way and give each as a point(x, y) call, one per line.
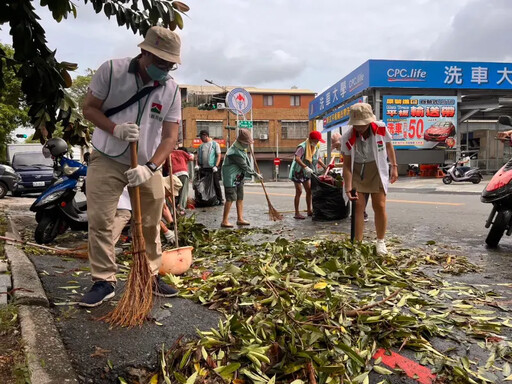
point(415, 129)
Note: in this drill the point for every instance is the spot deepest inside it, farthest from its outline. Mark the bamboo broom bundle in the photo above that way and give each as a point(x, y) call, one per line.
point(137, 300)
point(273, 214)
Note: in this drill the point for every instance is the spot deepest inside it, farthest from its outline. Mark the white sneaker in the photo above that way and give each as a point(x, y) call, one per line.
point(170, 237)
point(381, 247)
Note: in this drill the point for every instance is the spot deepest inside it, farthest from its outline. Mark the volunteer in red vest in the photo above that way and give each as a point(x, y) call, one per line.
point(153, 122)
point(303, 165)
point(366, 148)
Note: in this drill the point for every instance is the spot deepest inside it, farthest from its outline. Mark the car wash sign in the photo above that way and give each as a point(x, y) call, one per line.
point(341, 114)
point(421, 122)
point(412, 74)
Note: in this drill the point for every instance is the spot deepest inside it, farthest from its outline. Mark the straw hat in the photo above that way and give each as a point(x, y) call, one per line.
point(163, 43)
point(361, 114)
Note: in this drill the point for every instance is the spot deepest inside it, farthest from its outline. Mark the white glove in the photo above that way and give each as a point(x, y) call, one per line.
point(170, 237)
point(308, 171)
point(126, 131)
point(139, 175)
point(196, 167)
point(259, 176)
point(215, 169)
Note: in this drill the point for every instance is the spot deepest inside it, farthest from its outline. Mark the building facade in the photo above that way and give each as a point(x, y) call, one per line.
point(279, 117)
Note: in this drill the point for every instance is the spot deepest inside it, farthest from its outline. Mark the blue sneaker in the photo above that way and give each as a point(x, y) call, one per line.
point(162, 289)
point(99, 292)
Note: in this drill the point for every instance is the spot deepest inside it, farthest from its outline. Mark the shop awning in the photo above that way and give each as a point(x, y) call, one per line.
point(330, 129)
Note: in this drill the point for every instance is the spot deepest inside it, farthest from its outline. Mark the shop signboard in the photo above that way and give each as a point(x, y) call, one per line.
point(340, 115)
point(196, 143)
point(349, 86)
point(413, 74)
point(421, 122)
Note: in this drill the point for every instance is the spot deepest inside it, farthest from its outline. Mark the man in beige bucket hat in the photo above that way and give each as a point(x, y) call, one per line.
point(366, 148)
point(130, 100)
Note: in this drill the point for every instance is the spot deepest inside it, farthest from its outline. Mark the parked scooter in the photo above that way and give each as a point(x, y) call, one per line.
point(499, 193)
point(56, 208)
point(457, 173)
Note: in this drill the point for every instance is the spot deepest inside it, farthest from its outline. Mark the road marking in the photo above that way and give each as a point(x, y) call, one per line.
point(423, 202)
point(389, 200)
point(420, 373)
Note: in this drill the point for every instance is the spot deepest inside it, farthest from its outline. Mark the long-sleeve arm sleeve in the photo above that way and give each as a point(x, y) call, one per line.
point(242, 164)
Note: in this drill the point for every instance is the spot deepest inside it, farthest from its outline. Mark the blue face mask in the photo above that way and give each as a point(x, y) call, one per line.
point(156, 73)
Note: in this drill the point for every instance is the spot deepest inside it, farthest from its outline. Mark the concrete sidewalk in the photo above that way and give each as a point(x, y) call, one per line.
point(407, 184)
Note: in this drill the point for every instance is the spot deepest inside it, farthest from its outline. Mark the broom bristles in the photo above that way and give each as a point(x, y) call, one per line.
point(273, 213)
point(137, 299)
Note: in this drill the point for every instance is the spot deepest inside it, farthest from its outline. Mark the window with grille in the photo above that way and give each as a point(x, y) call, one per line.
point(268, 100)
point(294, 129)
point(260, 130)
point(213, 127)
point(295, 101)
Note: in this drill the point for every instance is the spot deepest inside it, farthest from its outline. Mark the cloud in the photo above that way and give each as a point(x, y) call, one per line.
point(481, 31)
point(309, 44)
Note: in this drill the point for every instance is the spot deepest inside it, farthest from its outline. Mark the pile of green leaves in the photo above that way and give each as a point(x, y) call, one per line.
point(317, 311)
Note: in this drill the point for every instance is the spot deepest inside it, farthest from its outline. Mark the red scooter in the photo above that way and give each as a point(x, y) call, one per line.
point(499, 193)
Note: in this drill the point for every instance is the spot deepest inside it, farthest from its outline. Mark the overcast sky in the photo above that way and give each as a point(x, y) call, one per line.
point(309, 44)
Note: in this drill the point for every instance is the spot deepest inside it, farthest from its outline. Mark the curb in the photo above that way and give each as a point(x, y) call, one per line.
point(47, 359)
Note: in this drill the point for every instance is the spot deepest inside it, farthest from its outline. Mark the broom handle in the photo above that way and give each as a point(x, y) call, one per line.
point(352, 217)
point(173, 204)
point(258, 170)
point(137, 220)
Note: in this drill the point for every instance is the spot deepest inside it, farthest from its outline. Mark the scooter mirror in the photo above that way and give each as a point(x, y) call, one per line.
point(505, 120)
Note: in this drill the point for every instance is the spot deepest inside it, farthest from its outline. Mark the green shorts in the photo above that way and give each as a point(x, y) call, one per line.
point(234, 193)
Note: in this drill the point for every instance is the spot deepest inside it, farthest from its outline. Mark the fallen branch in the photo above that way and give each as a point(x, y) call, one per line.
point(360, 311)
point(311, 372)
point(68, 252)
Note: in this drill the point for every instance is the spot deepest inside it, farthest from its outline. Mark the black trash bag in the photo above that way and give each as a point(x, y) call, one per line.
point(204, 189)
point(328, 203)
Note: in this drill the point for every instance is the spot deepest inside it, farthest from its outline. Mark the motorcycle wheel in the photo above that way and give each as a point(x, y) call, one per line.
point(497, 229)
point(447, 180)
point(477, 180)
point(47, 229)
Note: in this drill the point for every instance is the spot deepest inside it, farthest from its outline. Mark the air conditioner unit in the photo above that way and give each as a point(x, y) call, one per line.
point(263, 136)
point(221, 106)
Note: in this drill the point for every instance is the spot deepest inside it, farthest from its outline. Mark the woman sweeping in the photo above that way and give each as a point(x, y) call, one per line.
point(304, 163)
point(366, 148)
point(235, 168)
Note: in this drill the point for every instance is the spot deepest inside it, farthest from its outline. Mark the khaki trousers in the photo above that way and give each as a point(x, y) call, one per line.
point(104, 185)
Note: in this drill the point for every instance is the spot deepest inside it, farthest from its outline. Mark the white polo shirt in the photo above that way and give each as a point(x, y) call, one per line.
point(115, 82)
point(380, 136)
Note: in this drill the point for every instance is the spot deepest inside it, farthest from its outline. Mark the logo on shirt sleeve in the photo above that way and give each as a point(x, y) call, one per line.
point(155, 111)
point(156, 108)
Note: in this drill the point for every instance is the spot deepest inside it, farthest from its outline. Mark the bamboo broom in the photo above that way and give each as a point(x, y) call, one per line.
point(137, 299)
point(273, 214)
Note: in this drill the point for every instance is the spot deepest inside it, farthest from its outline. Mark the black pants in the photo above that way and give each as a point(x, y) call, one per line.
point(216, 181)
